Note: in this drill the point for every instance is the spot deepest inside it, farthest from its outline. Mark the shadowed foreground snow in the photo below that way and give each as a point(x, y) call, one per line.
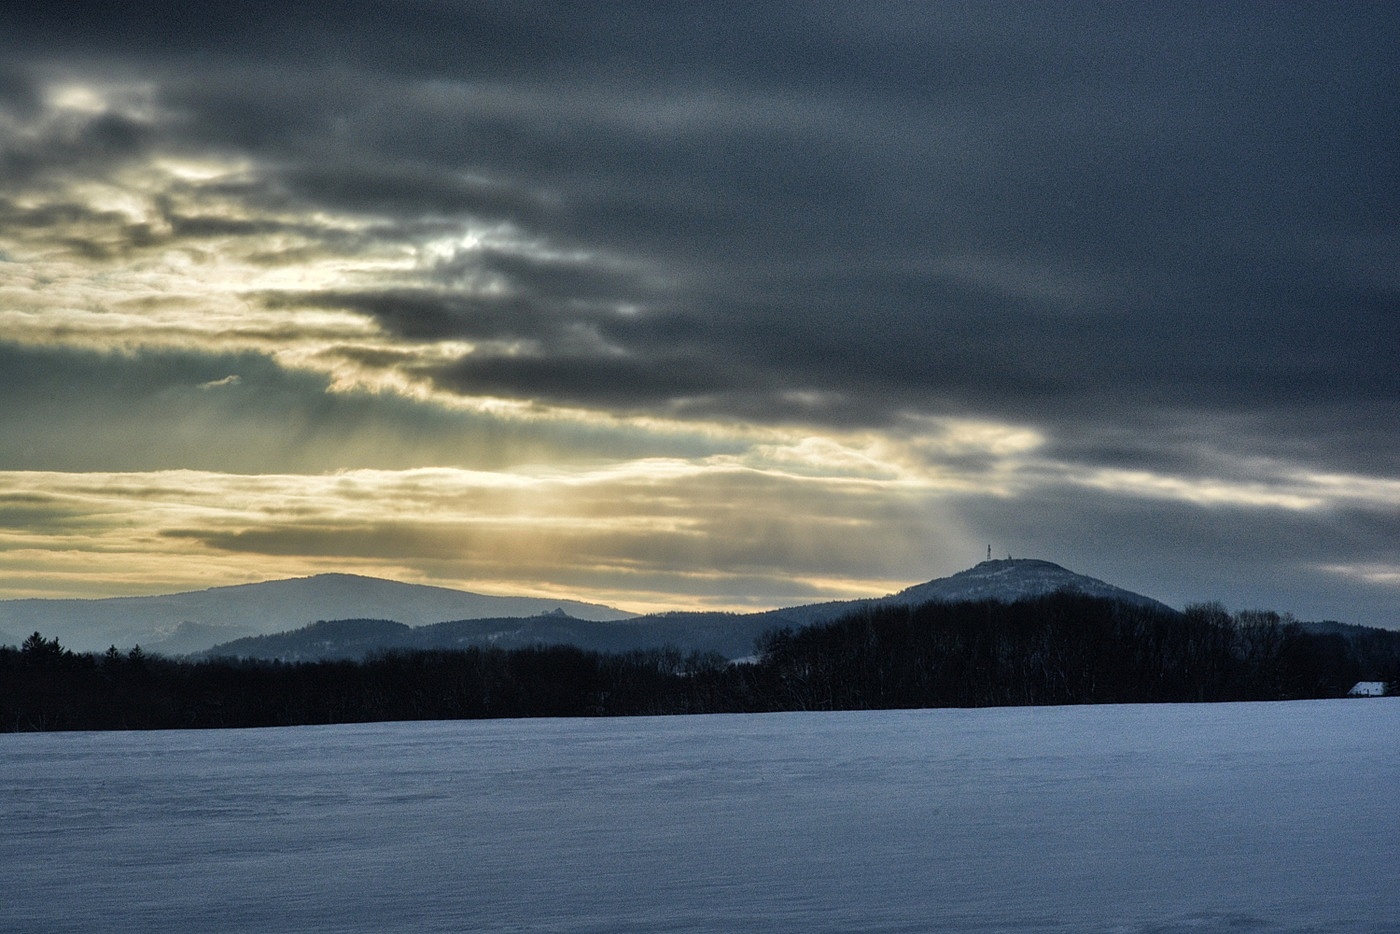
point(1269, 817)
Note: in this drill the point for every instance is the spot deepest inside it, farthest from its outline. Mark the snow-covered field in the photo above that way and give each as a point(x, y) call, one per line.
point(1253, 817)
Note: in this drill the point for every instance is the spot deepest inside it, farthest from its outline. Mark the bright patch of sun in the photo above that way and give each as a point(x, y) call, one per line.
point(199, 170)
point(1202, 491)
point(76, 97)
point(1386, 575)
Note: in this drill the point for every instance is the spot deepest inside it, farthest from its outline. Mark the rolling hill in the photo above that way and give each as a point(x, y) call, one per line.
point(728, 634)
point(182, 623)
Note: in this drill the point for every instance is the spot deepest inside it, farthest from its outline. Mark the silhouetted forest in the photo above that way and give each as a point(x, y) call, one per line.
point(1060, 649)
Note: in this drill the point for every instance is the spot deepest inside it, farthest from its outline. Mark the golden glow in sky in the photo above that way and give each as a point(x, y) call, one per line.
point(616, 310)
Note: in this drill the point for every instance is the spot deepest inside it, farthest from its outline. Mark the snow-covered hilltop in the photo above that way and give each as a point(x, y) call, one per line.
point(1011, 579)
point(1006, 581)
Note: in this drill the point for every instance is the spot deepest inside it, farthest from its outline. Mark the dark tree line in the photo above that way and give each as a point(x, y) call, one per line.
point(1062, 649)
point(44, 687)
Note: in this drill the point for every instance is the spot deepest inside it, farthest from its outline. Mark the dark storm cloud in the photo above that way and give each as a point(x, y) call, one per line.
point(543, 298)
point(239, 413)
point(94, 145)
point(408, 190)
point(1196, 167)
point(1164, 238)
point(18, 93)
point(266, 420)
point(623, 385)
point(900, 204)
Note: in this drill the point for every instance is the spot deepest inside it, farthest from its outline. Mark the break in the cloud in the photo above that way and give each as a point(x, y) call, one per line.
point(1114, 286)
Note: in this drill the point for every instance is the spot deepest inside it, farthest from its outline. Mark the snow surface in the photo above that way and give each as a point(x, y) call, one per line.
point(1192, 818)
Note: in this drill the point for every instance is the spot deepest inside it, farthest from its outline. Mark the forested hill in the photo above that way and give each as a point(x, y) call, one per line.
point(1067, 648)
point(1063, 648)
point(728, 634)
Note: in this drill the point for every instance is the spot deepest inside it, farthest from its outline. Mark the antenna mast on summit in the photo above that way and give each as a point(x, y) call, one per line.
point(989, 552)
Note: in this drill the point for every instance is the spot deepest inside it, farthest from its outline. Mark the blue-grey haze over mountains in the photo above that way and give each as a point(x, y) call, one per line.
point(703, 306)
point(237, 620)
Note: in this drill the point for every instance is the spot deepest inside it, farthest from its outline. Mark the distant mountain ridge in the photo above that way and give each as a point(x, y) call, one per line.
point(189, 622)
point(729, 634)
point(288, 618)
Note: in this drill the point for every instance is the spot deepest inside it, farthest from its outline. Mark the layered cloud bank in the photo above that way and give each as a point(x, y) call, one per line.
point(665, 307)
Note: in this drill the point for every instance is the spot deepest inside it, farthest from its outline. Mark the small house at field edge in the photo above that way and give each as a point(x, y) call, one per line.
point(1367, 689)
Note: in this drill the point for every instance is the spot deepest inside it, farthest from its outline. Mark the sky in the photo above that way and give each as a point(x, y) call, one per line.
point(689, 306)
